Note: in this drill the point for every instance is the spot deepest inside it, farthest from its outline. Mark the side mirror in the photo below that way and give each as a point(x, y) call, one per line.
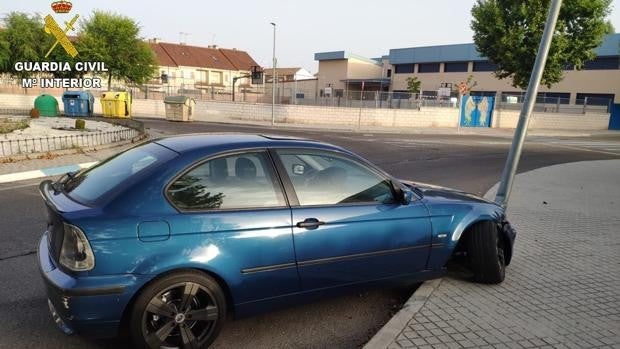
point(407, 196)
point(404, 195)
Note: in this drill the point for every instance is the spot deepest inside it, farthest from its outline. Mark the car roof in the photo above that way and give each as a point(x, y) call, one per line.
point(227, 141)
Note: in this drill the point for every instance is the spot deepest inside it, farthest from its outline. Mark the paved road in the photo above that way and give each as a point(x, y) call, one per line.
point(466, 162)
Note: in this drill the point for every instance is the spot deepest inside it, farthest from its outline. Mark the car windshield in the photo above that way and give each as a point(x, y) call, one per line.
point(89, 186)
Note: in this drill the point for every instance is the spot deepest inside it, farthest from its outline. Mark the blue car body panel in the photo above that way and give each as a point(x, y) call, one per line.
point(261, 256)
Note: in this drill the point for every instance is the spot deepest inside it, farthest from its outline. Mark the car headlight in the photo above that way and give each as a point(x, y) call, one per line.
point(76, 253)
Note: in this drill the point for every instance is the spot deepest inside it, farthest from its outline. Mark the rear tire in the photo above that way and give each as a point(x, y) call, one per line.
point(181, 310)
point(486, 253)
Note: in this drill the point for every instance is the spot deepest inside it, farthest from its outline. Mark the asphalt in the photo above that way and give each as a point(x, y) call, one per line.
point(562, 287)
point(469, 162)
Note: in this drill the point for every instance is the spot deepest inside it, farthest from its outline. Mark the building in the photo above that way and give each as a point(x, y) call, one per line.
point(341, 71)
point(288, 74)
point(446, 65)
point(293, 84)
point(193, 69)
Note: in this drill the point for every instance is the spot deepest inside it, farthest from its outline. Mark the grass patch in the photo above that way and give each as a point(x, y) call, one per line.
point(8, 126)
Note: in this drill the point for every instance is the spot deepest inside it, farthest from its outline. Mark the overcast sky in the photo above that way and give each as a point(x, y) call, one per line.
point(367, 28)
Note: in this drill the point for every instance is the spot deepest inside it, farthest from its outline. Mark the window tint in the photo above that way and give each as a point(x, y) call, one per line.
point(453, 67)
point(403, 68)
point(603, 63)
point(428, 68)
point(328, 179)
point(90, 185)
point(231, 182)
point(484, 66)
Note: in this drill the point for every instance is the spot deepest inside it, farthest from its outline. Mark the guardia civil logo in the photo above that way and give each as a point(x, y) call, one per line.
point(52, 28)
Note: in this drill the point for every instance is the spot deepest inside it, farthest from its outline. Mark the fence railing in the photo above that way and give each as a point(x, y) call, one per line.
point(286, 94)
point(12, 147)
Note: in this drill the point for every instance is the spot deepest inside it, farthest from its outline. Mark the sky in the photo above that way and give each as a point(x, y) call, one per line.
point(303, 28)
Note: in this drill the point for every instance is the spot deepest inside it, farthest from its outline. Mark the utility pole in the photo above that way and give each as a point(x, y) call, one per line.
point(273, 78)
point(505, 186)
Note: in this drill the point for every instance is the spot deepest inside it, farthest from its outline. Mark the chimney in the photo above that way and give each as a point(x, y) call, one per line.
point(154, 41)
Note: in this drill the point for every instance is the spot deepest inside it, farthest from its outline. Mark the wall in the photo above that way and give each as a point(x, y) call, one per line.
point(351, 117)
point(358, 69)
point(331, 72)
point(509, 119)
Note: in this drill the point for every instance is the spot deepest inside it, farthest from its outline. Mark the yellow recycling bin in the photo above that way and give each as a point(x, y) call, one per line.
point(116, 104)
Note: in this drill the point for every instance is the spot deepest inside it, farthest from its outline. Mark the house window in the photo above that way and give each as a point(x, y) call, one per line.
point(389, 73)
point(603, 63)
point(604, 99)
point(483, 93)
point(484, 66)
point(403, 69)
point(428, 68)
point(553, 97)
point(455, 67)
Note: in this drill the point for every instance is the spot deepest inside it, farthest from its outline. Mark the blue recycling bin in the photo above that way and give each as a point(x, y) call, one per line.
point(78, 103)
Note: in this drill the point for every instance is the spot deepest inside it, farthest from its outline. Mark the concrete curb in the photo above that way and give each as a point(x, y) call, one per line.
point(388, 333)
point(45, 172)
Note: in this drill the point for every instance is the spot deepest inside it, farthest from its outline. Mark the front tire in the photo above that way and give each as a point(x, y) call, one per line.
point(181, 310)
point(486, 253)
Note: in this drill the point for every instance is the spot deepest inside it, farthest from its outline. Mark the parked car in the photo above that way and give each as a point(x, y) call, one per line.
point(165, 238)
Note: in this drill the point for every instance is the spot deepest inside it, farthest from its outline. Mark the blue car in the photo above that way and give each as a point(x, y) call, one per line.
point(162, 241)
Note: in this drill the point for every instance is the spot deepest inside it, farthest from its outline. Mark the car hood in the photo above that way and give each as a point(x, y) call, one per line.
point(434, 192)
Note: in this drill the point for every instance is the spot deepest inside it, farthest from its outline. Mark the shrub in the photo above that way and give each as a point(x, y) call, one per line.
point(35, 113)
point(80, 124)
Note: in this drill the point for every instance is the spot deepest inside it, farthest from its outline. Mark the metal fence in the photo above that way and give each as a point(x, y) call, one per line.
point(557, 104)
point(373, 99)
point(45, 144)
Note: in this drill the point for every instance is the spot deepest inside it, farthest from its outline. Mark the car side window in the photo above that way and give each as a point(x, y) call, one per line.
point(231, 182)
point(329, 179)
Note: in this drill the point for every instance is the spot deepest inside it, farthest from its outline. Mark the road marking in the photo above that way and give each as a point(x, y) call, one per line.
point(581, 148)
point(46, 172)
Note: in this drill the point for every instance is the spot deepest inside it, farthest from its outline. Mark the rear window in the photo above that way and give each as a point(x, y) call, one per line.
point(91, 185)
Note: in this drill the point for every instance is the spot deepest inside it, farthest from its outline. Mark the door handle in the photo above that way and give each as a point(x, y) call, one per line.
point(310, 223)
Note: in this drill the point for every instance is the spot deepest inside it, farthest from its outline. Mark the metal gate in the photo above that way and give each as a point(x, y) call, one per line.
point(614, 119)
point(477, 111)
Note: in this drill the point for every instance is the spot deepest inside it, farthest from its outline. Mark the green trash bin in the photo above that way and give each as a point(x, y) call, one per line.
point(47, 105)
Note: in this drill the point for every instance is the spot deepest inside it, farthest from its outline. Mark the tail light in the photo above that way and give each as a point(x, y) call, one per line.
point(75, 253)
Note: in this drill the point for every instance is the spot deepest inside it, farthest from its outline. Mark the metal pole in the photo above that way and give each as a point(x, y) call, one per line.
point(273, 78)
point(505, 186)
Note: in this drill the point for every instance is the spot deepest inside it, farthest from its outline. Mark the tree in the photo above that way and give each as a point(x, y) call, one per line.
point(113, 39)
point(413, 84)
point(22, 40)
point(508, 33)
point(464, 87)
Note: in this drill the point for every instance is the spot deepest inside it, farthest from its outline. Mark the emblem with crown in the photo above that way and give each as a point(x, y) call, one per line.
point(62, 6)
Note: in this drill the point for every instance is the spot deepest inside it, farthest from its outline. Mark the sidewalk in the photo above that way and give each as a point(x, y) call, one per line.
point(492, 132)
point(562, 289)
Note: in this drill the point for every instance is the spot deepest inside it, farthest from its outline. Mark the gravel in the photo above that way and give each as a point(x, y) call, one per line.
point(53, 126)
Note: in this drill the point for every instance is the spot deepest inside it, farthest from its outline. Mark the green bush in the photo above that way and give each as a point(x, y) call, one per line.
point(80, 124)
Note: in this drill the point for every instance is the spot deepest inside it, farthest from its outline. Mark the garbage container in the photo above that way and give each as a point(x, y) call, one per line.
point(78, 103)
point(179, 108)
point(116, 104)
point(47, 105)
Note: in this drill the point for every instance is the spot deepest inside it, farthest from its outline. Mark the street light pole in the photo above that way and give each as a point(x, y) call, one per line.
point(505, 186)
point(273, 78)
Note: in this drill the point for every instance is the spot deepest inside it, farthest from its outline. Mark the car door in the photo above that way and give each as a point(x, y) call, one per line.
point(235, 221)
point(348, 226)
